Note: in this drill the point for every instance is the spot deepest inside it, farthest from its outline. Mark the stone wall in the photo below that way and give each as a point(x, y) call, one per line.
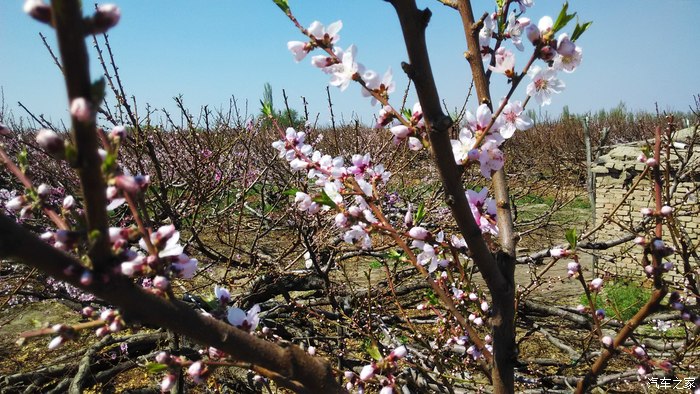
point(616, 172)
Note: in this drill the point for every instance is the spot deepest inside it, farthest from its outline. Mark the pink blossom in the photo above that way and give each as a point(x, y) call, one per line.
point(184, 266)
point(345, 71)
point(299, 49)
point(400, 131)
point(485, 35)
point(414, 144)
point(544, 84)
point(514, 118)
point(596, 284)
point(505, 62)
point(68, 203)
point(245, 321)
point(197, 372)
point(328, 35)
point(568, 54)
point(607, 341)
point(515, 28)
point(490, 159)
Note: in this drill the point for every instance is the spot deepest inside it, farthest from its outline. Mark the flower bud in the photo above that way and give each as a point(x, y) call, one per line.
point(80, 109)
point(651, 162)
point(68, 203)
point(400, 131)
point(15, 204)
point(311, 350)
point(646, 211)
point(118, 132)
point(163, 358)
point(106, 17)
point(43, 190)
point(367, 372)
point(414, 144)
point(38, 10)
point(400, 352)
point(419, 233)
point(607, 341)
point(596, 284)
point(666, 210)
point(51, 142)
point(56, 342)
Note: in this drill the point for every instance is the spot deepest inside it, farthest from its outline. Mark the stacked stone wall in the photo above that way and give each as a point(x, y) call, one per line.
point(616, 173)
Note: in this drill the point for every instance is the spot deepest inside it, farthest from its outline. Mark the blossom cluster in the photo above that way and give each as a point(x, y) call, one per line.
point(340, 64)
point(345, 187)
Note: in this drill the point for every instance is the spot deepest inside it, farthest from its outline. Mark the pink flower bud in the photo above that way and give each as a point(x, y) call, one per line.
point(478, 321)
point(573, 266)
point(642, 158)
point(311, 350)
point(400, 131)
point(484, 306)
point(68, 203)
point(4, 130)
point(56, 342)
point(607, 341)
point(102, 331)
point(641, 370)
point(666, 210)
point(559, 252)
point(646, 211)
point(649, 269)
point(400, 352)
point(639, 351)
point(580, 308)
point(161, 282)
point(414, 144)
point(533, 33)
point(106, 17)
point(118, 132)
point(640, 241)
point(80, 109)
point(419, 233)
point(168, 382)
point(50, 142)
point(15, 204)
point(163, 358)
point(367, 372)
point(43, 190)
point(596, 284)
point(38, 10)
point(651, 162)
point(88, 311)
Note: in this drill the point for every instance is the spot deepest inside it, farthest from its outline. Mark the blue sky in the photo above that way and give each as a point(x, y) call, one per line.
point(637, 51)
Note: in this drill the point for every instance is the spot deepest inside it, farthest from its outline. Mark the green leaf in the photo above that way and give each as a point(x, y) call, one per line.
point(407, 113)
point(432, 298)
point(283, 5)
point(291, 192)
point(109, 163)
point(267, 109)
point(579, 29)
point(375, 264)
point(23, 160)
point(563, 19)
point(419, 215)
point(571, 238)
point(373, 352)
point(98, 90)
point(325, 200)
point(155, 367)
point(393, 255)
